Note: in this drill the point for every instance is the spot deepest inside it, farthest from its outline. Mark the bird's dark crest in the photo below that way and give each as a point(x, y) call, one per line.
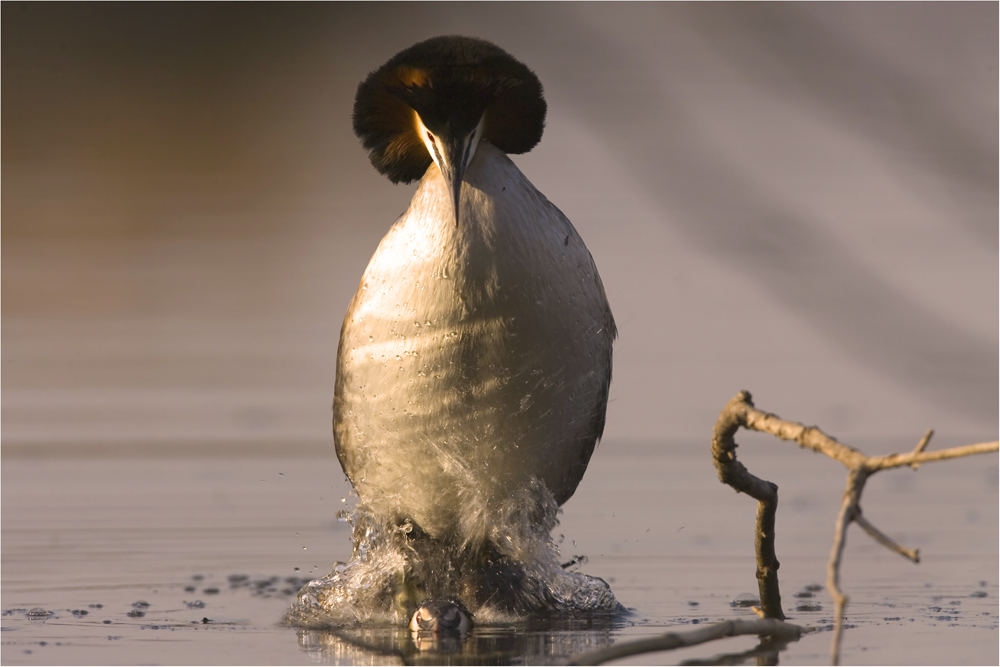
point(451, 82)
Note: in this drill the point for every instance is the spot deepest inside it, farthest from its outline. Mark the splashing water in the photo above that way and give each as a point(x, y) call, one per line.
point(513, 572)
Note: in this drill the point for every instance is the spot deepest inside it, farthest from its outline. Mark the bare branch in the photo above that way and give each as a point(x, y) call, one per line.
point(848, 510)
point(735, 474)
point(897, 460)
point(673, 640)
point(739, 411)
point(921, 446)
point(886, 541)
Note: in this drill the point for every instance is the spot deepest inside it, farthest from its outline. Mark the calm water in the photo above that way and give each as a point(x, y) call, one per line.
point(216, 540)
point(187, 213)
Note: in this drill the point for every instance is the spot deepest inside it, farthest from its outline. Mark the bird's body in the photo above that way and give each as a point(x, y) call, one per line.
point(475, 357)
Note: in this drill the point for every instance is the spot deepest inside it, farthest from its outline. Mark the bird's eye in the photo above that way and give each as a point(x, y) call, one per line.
point(430, 138)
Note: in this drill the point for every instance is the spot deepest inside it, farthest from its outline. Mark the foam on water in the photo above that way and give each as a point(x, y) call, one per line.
point(513, 572)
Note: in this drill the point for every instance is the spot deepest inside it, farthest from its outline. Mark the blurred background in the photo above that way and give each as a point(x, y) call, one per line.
point(795, 199)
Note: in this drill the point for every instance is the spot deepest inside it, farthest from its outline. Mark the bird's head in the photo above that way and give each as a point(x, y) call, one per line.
point(435, 102)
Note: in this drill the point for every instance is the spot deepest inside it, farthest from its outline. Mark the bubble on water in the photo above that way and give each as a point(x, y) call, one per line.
point(38, 614)
point(238, 580)
point(744, 600)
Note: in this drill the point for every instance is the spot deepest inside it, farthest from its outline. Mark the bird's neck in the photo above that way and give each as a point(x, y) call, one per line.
point(510, 245)
point(497, 201)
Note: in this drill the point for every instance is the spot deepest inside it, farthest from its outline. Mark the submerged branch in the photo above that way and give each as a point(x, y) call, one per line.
point(764, 653)
point(735, 474)
point(740, 412)
point(673, 640)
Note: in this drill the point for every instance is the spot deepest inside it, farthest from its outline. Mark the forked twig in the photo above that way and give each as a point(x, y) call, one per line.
point(740, 412)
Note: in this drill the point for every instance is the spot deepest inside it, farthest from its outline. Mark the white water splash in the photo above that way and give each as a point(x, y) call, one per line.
point(514, 572)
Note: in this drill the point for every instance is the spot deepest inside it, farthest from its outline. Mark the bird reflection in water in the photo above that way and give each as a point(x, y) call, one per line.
point(532, 641)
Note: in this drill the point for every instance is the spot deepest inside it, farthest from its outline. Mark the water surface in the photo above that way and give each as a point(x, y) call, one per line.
point(217, 539)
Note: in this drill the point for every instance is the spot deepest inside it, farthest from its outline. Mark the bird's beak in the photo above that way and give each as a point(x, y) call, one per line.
point(455, 158)
point(452, 153)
